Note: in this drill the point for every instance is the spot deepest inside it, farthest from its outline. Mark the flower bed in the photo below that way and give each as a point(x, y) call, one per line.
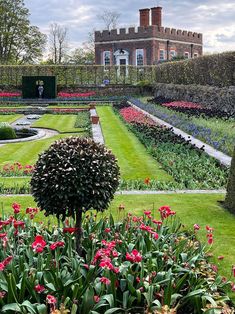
point(16, 170)
point(75, 95)
point(203, 124)
point(182, 104)
point(9, 95)
point(156, 265)
point(188, 165)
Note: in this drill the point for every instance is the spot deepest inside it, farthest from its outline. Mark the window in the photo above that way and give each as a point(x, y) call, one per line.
point(195, 55)
point(139, 57)
point(106, 57)
point(161, 54)
point(172, 54)
point(186, 55)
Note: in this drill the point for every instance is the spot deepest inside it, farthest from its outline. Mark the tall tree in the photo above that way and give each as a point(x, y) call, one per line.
point(19, 41)
point(110, 19)
point(58, 42)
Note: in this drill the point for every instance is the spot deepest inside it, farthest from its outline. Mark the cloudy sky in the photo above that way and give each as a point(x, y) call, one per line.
point(214, 18)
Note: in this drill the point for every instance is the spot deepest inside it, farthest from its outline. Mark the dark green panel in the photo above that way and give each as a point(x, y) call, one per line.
point(30, 86)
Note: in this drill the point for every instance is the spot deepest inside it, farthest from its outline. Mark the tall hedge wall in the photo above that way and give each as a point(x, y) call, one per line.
point(216, 70)
point(72, 75)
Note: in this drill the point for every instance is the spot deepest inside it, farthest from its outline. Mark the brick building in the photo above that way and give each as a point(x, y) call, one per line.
point(147, 45)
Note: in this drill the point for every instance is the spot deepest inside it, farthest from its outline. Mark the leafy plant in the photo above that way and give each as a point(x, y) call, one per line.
point(6, 131)
point(72, 176)
point(143, 264)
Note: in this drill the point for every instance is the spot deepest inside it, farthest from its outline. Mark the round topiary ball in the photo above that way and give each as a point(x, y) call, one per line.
point(75, 175)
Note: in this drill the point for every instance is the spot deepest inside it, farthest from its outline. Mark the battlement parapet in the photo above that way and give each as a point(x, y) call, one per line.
point(151, 31)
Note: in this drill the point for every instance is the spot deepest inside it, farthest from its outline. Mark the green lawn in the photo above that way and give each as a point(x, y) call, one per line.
point(191, 208)
point(134, 161)
point(27, 152)
point(9, 117)
point(61, 123)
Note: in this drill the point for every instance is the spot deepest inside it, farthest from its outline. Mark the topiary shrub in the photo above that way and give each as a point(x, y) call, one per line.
point(230, 197)
point(7, 132)
point(72, 176)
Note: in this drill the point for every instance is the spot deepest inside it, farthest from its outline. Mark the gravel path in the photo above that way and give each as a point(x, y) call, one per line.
point(97, 134)
point(221, 157)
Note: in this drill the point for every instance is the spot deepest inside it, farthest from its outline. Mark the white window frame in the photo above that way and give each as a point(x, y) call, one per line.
point(109, 53)
point(137, 52)
point(174, 53)
point(164, 54)
point(186, 55)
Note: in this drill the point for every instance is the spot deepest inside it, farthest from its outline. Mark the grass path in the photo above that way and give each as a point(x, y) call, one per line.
point(134, 161)
point(9, 118)
point(191, 208)
point(61, 123)
point(27, 152)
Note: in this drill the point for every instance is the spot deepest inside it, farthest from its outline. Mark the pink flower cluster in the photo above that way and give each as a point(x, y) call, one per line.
point(132, 115)
point(75, 95)
point(104, 256)
point(134, 256)
point(165, 212)
point(39, 244)
point(5, 262)
point(183, 104)
point(16, 168)
point(209, 234)
point(7, 94)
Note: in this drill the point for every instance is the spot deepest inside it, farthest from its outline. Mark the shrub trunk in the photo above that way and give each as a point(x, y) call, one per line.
point(78, 233)
point(230, 197)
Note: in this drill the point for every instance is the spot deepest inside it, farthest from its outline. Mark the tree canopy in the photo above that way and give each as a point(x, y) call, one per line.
point(20, 42)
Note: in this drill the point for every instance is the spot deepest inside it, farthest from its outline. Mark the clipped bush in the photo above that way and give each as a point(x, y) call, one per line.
point(72, 176)
point(230, 197)
point(6, 131)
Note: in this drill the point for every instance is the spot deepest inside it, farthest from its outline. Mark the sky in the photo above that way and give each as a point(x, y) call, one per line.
point(214, 18)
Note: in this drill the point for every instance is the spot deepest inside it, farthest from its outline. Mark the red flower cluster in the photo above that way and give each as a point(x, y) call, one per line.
point(39, 244)
point(67, 110)
point(209, 234)
point(7, 94)
point(134, 256)
point(75, 95)
point(16, 208)
point(54, 245)
point(165, 212)
point(103, 256)
point(132, 115)
point(183, 104)
point(5, 262)
point(32, 212)
point(39, 288)
point(105, 280)
point(69, 230)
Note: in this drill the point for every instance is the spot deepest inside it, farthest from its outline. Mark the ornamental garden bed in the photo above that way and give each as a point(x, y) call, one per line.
point(214, 127)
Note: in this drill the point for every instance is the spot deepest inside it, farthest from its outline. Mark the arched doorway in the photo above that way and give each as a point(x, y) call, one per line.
point(122, 60)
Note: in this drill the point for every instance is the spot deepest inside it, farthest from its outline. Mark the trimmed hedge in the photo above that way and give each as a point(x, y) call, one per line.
point(215, 70)
point(222, 99)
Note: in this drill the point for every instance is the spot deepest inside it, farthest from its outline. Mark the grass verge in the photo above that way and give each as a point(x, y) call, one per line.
point(134, 161)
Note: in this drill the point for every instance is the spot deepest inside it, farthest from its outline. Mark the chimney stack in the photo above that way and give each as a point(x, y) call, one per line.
point(144, 17)
point(156, 16)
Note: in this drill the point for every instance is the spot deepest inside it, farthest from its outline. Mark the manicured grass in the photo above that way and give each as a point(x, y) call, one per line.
point(61, 123)
point(27, 152)
point(9, 117)
point(133, 159)
point(11, 181)
point(202, 209)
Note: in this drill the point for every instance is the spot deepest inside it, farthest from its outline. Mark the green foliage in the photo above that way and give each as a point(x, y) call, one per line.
point(172, 268)
point(216, 70)
point(230, 197)
point(20, 41)
point(6, 131)
point(83, 119)
point(74, 174)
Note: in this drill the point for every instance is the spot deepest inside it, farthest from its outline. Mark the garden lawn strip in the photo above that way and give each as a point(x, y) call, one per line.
point(134, 161)
point(63, 123)
point(191, 209)
point(27, 152)
point(9, 118)
point(13, 185)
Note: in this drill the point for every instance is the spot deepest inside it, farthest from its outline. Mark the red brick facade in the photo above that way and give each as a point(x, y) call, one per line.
point(151, 43)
